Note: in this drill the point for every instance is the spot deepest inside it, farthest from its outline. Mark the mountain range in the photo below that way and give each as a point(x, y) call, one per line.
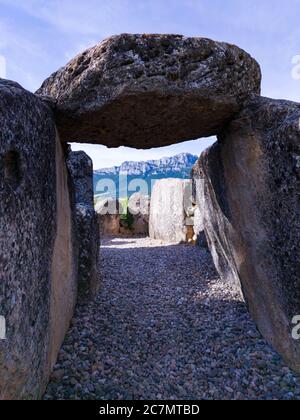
point(178, 166)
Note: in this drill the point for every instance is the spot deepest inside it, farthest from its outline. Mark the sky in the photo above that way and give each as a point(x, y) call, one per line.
point(39, 36)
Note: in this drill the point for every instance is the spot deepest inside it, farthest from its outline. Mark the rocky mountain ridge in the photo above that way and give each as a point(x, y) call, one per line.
point(179, 163)
point(179, 166)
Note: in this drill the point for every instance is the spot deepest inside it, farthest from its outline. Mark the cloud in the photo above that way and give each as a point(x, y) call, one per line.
point(19, 51)
point(87, 18)
point(296, 67)
point(39, 36)
point(2, 67)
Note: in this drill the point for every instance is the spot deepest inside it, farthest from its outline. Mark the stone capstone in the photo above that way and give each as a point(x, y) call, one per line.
point(146, 91)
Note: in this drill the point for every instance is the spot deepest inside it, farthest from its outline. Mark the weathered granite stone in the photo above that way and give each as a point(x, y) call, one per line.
point(64, 267)
point(108, 211)
point(151, 90)
point(80, 166)
point(36, 259)
point(252, 183)
point(87, 229)
point(139, 208)
point(199, 201)
point(170, 198)
point(218, 229)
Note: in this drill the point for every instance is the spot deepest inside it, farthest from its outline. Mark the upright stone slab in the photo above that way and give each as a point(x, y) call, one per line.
point(218, 229)
point(87, 230)
point(170, 198)
point(109, 212)
point(252, 184)
point(64, 272)
point(36, 254)
point(151, 90)
point(199, 201)
point(139, 209)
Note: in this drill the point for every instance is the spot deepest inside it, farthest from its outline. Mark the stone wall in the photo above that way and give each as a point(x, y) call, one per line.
point(109, 220)
point(139, 213)
point(115, 220)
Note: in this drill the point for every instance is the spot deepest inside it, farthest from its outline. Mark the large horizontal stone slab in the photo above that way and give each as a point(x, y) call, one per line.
point(252, 184)
point(150, 90)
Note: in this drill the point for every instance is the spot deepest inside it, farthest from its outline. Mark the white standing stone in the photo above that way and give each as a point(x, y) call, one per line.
point(169, 199)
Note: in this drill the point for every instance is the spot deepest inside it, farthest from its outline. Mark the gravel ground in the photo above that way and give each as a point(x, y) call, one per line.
point(165, 327)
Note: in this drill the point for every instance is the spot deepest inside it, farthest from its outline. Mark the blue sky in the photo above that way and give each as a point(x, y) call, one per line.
point(39, 36)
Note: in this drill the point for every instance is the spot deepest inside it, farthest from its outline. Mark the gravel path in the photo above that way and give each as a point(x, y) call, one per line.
point(165, 327)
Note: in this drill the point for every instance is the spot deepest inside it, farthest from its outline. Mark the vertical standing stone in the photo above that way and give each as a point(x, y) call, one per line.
point(87, 228)
point(33, 231)
point(199, 201)
point(253, 215)
point(64, 285)
point(170, 198)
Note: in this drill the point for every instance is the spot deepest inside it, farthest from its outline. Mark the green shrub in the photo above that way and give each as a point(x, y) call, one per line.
point(126, 217)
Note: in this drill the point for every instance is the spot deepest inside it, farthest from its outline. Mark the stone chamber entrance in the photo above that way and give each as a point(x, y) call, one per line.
point(152, 320)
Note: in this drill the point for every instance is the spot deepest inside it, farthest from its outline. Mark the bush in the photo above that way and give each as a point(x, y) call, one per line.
point(126, 217)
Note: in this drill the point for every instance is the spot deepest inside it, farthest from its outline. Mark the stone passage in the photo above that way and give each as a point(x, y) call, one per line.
point(144, 91)
point(165, 326)
point(153, 90)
